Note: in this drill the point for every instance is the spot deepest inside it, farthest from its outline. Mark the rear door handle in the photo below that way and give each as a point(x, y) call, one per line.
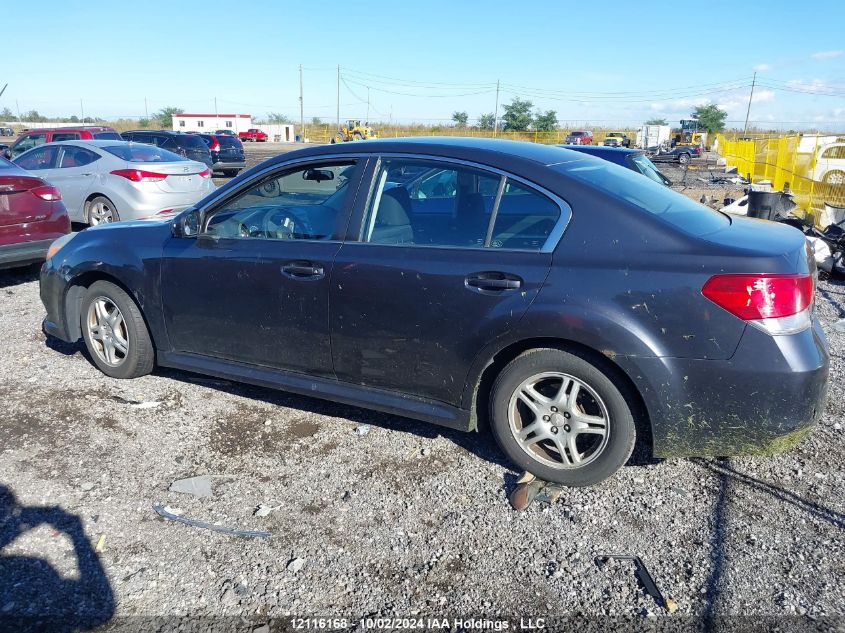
point(494, 282)
point(303, 271)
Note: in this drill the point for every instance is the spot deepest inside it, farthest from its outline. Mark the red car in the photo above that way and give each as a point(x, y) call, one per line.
point(33, 138)
point(252, 134)
point(32, 215)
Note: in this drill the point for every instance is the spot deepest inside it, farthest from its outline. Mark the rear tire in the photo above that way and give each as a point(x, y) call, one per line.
point(575, 437)
point(100, 210)
point(683, 159)
point(115, 333)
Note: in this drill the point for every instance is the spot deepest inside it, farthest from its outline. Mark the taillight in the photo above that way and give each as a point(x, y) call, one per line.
point(215, 145)
point(47, 192)
point(139, 175)
point(205, 173)
point(778, 304)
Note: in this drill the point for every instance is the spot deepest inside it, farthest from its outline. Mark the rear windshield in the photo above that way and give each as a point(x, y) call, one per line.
point(107, 136)
point(143, 153)
point(191, 141)
point(577, 134)
point(229, 142)
point(670, 206)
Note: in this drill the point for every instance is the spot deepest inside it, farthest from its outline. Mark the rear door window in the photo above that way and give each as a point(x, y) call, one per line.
point(65, 136)
point(72, 156)
point(525, 218)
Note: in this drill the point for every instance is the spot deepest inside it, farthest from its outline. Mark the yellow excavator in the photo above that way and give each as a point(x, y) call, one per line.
point(353, 131)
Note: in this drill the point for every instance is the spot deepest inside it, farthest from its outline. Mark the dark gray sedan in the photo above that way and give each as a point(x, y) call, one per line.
point(566, 304)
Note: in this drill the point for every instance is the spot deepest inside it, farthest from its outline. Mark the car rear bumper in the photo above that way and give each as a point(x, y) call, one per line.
point(23, 253)
point(222, 165)
point(761, 401)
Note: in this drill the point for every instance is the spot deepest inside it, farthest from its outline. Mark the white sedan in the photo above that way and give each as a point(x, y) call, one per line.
point(108, 181)
point(830, 165)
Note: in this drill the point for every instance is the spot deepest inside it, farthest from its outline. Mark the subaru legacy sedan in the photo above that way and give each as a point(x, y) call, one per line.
point(559, 301)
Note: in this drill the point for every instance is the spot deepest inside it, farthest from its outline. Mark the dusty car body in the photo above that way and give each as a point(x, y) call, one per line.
point(518, 284)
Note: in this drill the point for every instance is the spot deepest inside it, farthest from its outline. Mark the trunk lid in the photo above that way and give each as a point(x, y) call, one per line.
point(764, 246)
point(181, 177)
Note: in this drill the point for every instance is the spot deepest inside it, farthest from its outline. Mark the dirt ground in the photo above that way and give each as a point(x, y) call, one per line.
point(371, 515)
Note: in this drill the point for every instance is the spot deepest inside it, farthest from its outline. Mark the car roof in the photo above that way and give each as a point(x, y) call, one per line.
point(87, 143)
point(484, 150)
point(74, 128)
point(602, 149)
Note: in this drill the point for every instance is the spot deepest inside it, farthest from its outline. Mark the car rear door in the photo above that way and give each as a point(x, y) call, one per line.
point(414, 300)
point(74, 174)
point(253, 287)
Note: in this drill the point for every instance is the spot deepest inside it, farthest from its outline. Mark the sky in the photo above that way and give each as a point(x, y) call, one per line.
point(600, 62)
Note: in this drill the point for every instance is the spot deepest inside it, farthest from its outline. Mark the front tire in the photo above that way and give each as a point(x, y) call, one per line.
point(562, 417)
point(115, 332)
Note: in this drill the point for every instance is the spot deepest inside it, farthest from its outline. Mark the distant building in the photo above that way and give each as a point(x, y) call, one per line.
point(210, 122)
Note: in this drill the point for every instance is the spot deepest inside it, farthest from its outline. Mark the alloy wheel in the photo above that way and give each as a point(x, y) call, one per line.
point(107, 331)
point(559, 420)
point(100, 213)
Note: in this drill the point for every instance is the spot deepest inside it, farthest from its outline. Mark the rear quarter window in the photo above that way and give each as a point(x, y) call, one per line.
point(671, 207)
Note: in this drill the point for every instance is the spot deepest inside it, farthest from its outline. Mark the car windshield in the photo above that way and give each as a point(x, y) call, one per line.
point(672, 207)
point(4, 164)
point(143, 153)
point(647, 168)
point(107, 136)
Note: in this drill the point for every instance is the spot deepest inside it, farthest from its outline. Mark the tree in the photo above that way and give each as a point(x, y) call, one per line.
point(710, 118)
point(33, 116)
point(277, 117)
point(460, 119)
point(164, 117)
point(143, 122)
point(656, 122)
point(315, 120)
point(517, 116)
point(7, 115)
point(546, 122)
point(487, 121)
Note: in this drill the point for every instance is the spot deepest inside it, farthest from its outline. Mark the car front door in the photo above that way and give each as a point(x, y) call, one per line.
point(253, 286)
point(414, 299)
point(74, 174)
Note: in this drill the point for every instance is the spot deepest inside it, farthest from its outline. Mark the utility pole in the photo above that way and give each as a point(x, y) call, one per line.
point(301, 108)
point(146, 110)
point(82, 111)
point(338, 96)
point(750, 97)
point(18, 108)
point(367, 121)
point(496, 112)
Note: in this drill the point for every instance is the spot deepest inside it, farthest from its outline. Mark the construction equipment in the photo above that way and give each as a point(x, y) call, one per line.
point(353, 131)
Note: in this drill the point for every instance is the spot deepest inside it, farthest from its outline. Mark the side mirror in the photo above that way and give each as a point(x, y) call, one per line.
point(187, 224)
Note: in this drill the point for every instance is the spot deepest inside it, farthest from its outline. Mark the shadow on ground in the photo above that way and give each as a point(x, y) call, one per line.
point(33, 595)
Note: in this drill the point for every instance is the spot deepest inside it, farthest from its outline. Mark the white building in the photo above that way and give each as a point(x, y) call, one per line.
point(210, 122)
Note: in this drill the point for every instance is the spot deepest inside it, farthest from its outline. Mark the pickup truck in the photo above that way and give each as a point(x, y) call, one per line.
point(617, 139)
point(252, 134)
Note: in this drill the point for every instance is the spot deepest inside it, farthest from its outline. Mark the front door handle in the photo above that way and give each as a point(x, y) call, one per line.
point(493, 282)
point(303, 271)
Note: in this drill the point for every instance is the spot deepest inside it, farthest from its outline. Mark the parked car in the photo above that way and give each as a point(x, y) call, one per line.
point(226, 132)
point(580, 137)
point(253, 134)
point(617, 139)
point(634, 159)
point(32, 216)
point(6, 131)
point(33, 138)
point(573, 302)
point(830, 165)
point(108, 181)
point(227, 153)
point(191, 146)
point(681, 154)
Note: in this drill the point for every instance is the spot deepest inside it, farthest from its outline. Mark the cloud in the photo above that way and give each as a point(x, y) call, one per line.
point(761, 68)
point(815, 85)
point(761, 96)
point(827, 54)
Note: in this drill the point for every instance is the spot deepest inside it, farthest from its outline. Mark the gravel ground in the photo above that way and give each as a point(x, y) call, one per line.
point(373, 514)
